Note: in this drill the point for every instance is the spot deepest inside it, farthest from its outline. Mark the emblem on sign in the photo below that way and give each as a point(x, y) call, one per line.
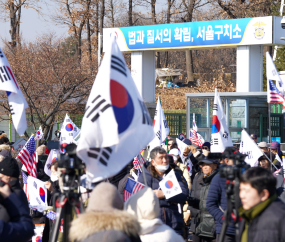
point(259, 30)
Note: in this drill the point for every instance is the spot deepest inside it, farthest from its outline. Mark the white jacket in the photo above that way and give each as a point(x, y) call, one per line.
point(145, 206)
point(156, 231)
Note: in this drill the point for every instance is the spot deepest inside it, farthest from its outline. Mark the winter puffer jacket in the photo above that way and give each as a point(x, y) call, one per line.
point(206, 223)
point(169, 212)
point(217, 203)
point(144, 205)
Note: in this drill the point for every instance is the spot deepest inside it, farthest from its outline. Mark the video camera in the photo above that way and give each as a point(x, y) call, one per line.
point(230, 172)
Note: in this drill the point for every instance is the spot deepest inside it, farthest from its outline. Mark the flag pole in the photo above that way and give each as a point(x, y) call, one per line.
point(269, 132)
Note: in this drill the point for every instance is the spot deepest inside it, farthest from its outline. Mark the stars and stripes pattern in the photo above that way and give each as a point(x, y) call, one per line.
point(273, 95)
point(138, 162)
point(25, 184)
point(132, 187)
point(194, 137)
point(28, 156)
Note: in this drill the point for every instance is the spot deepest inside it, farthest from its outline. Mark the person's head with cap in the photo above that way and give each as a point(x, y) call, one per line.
point(9, 169)
point(275, 148)
point(187, 142)
point(208, 165)
point(206, 146)
point(263, 146)
point(254, 137)
point(175, 155)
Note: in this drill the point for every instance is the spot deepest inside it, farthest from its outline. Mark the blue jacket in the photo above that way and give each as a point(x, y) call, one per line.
point(217, 203)
point(169, 207)
point(21, 227)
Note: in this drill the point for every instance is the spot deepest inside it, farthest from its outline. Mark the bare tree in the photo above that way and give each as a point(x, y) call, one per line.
point(52, 81)
point(12, 10)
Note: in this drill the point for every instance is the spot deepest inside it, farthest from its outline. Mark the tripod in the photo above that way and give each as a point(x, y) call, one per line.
point(67, 206)
point(232, 190)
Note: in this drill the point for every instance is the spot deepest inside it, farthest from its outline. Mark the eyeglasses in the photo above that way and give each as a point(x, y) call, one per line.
point(205, 148)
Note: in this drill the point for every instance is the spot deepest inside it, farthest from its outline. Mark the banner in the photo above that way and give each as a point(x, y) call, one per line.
point(226, 32)
point(37, 192)
point(220, 133)
point(250, 148)
point(116, 125)
point(170, 186)
point(160, 126)
point(15, 96)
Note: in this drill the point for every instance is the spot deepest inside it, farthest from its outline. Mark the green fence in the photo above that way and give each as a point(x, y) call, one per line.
point(276, 126)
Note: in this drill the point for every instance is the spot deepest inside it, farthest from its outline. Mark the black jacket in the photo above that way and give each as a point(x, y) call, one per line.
point(206, 223)
point(267, 226)
point(20, 228)
point(280, 185)
point(16, 188)
point(194, 200)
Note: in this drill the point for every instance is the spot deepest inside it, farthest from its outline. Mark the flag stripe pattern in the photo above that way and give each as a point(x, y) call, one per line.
point(274, 96)
point(132, 187)
point(25, 186)
point(138, 162)
point(195, 139)
point(28, 156)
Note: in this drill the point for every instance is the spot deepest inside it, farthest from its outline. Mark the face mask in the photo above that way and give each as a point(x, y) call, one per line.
point(53, 178)
point(162, 168)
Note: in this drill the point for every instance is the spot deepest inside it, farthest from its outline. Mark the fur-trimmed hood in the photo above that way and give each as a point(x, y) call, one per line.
point(95, 221)
point(5, 147)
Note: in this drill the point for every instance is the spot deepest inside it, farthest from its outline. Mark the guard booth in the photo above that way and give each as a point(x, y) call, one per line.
point(243, 110)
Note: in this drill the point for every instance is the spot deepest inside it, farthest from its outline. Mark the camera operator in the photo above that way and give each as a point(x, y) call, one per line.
point(217, 199)
point(20, 228)
point(262, 212)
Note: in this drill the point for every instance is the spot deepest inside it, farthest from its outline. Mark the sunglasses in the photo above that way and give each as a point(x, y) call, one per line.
point(205, 148)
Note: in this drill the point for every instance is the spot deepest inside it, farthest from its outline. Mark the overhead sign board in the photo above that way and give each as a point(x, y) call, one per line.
point(207, 34)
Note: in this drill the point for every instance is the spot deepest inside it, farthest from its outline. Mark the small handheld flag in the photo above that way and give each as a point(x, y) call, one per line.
point(131, 188)
point(194, 135)
point(39, 134)
point(170, 186)
point(28, 156)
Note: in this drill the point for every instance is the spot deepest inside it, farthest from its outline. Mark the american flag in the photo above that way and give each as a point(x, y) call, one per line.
point(194, 137)
point(138, 162)
point(25, 182)
point(28, 156)
point(131, 188)
point(273, 94)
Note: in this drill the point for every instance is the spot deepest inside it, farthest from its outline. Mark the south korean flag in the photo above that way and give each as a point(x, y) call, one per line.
point(116, 125)
point(15, 96)
point(69, 131)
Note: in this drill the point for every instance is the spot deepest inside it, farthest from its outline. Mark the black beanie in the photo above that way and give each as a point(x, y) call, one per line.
point(9, 167)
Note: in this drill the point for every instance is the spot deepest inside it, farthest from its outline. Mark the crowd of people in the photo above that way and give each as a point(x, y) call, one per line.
point(196, 213)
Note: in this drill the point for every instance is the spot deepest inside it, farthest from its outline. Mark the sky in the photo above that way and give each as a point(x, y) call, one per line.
point(33, 25)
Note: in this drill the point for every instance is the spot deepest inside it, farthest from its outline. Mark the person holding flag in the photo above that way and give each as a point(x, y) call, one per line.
point(154, 173)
